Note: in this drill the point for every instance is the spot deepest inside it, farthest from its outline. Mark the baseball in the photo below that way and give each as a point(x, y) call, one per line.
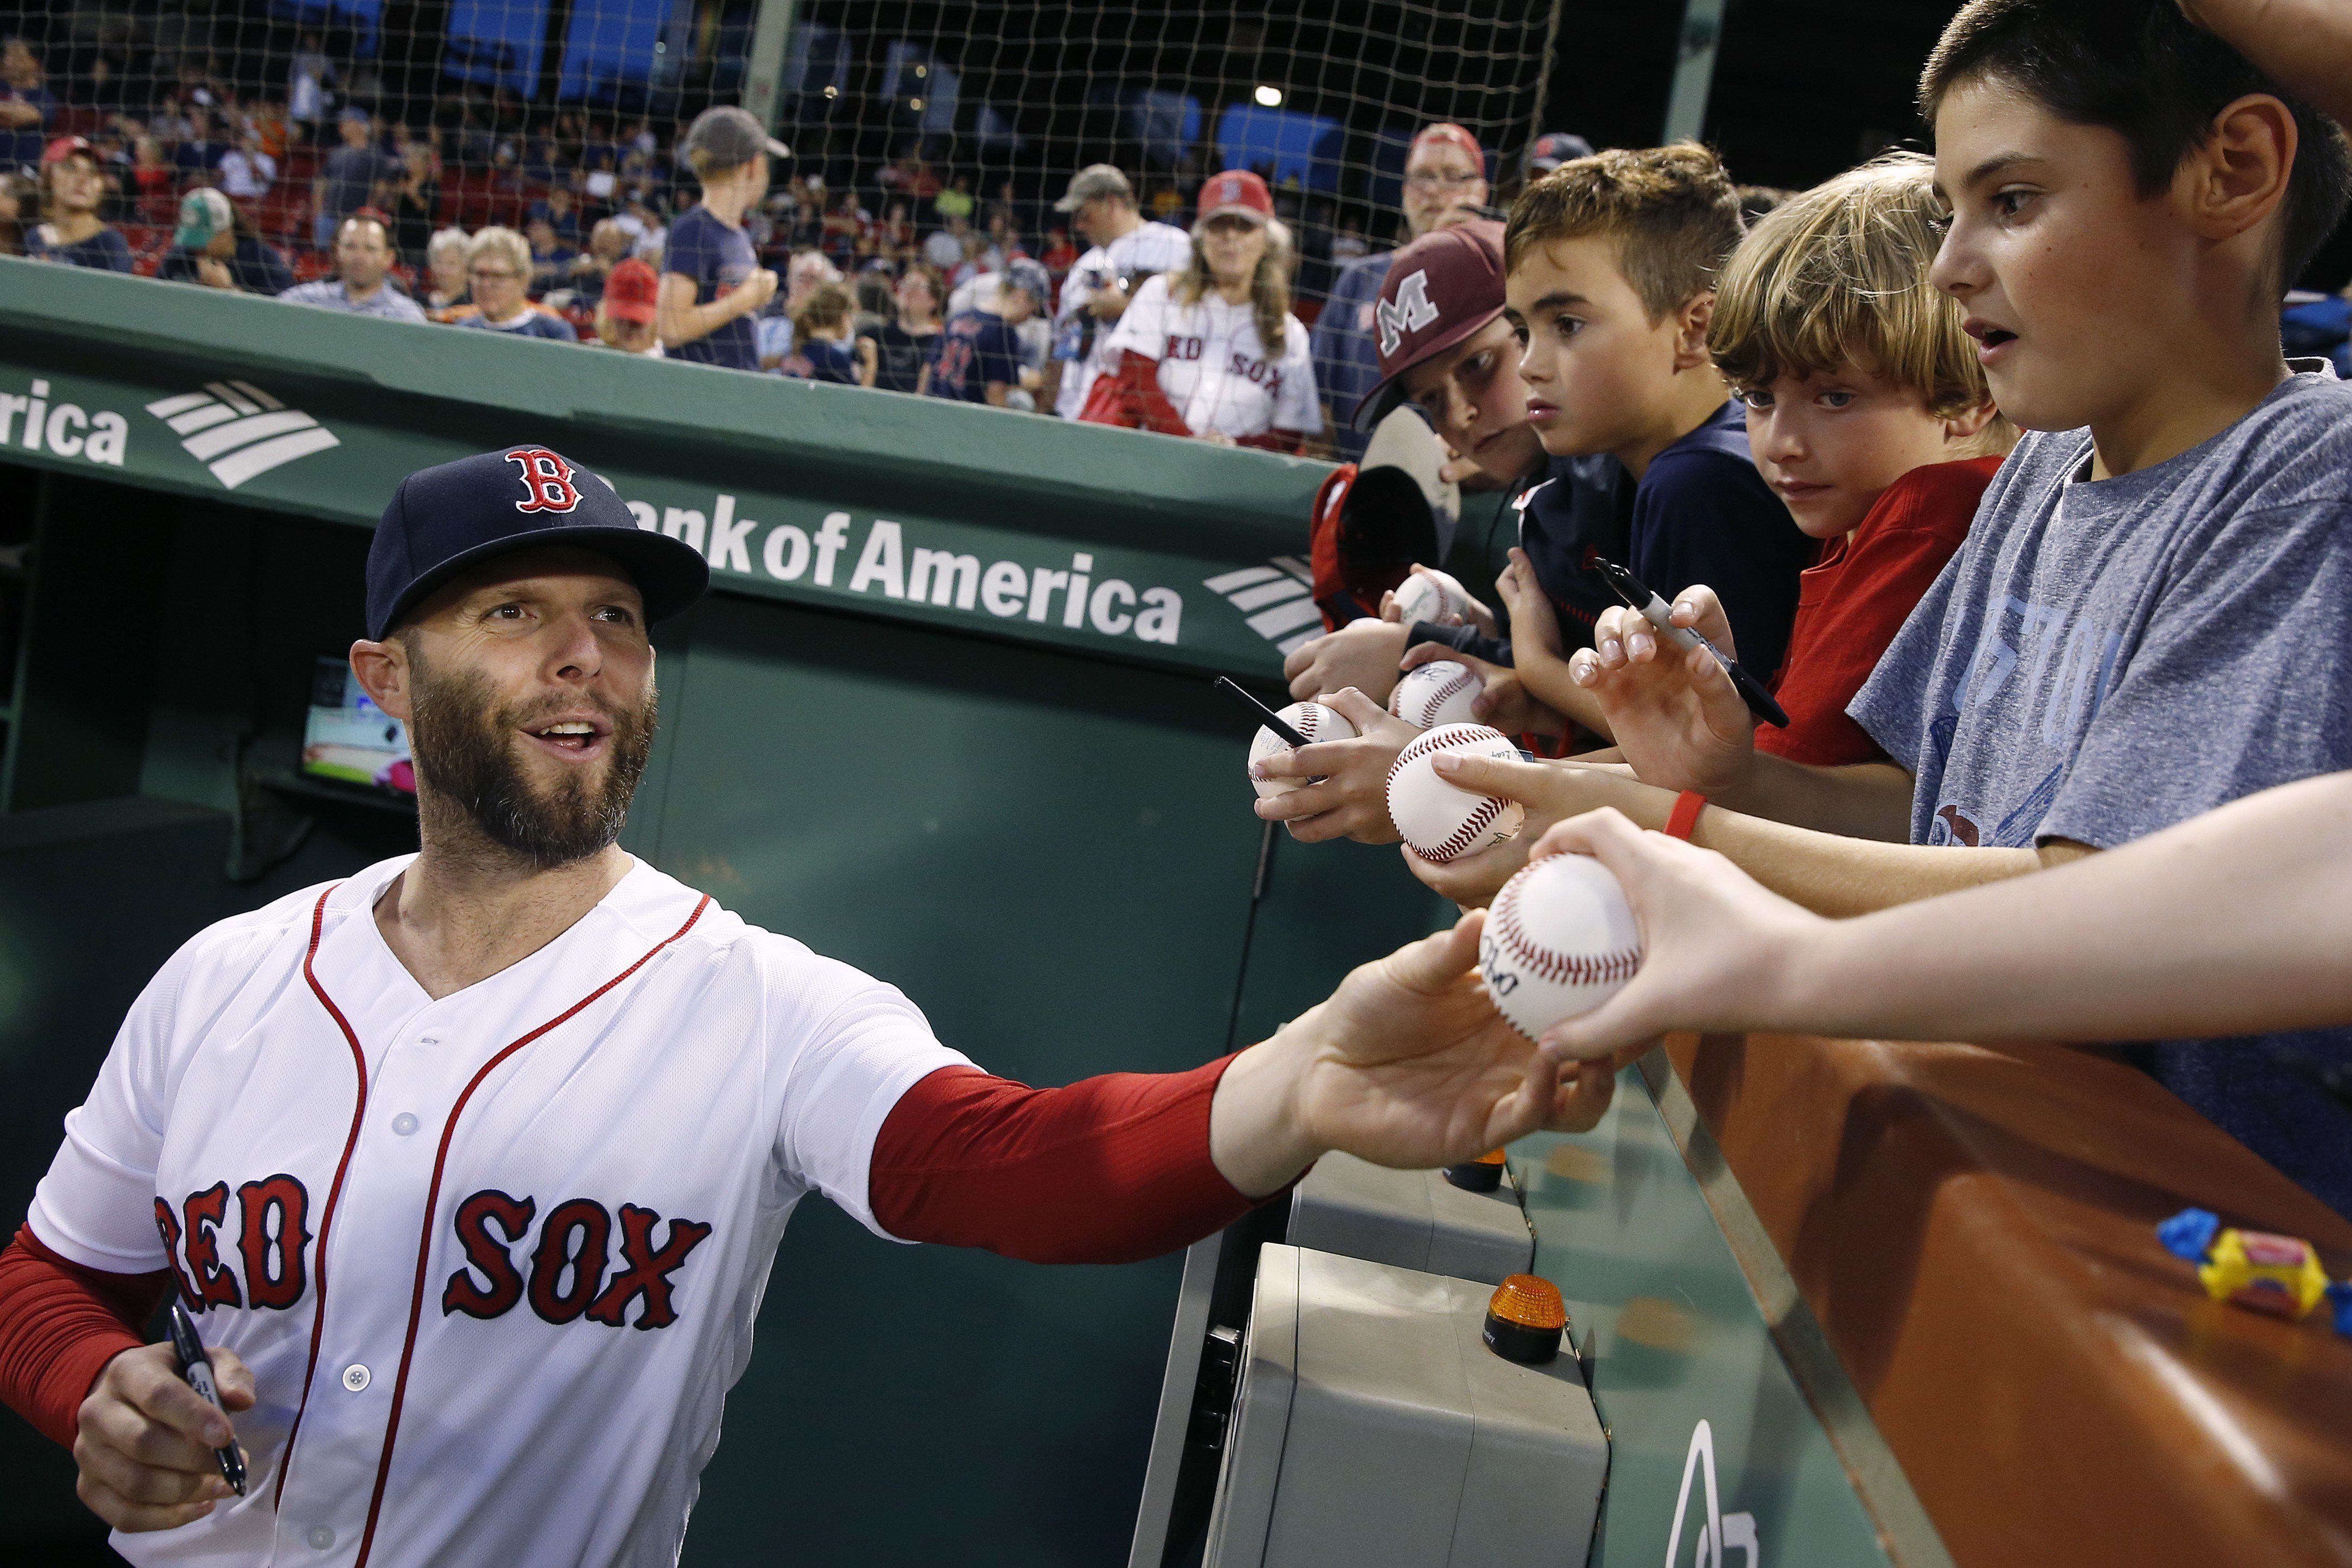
point(1432, 596)
point(1560, 941)
point(1438, 692)
point(1438, 820)
point(1311, 720)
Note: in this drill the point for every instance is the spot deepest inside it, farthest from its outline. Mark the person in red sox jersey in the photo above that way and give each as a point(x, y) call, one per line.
point(475, 1162)
point(1212, 349)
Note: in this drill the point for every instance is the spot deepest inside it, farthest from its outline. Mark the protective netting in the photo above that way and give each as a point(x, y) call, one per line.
point(467, 112)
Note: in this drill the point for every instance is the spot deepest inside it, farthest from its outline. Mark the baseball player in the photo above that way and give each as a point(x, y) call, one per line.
point(1212, 349)
point(473, 1165)
point(1126, 251)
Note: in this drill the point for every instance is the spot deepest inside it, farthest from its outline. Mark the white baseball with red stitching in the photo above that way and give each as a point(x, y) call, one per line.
point(1312, 720)
point(1432, 596)
point(1560, 941)
point(1438, 692)
point(1443, 822)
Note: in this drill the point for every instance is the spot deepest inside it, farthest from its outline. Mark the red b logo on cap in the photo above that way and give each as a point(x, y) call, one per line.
point(546, 480)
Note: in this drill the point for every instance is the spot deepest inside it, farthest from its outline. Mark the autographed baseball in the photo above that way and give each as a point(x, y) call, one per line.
point(1438, 820)
point(1432, 596)
point(1311, 720)
point(1438, 692)
point(1560, 941)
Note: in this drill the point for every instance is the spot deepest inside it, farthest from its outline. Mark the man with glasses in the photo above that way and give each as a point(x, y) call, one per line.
point(1445, 184)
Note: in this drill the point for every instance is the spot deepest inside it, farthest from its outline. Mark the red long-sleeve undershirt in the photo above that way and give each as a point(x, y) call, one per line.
point(1107, 1170)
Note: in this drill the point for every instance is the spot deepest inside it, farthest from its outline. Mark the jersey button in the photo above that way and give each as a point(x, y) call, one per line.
point(321, 1537)
point(355, 1377)
point(428, 1039)
point(404, 1124)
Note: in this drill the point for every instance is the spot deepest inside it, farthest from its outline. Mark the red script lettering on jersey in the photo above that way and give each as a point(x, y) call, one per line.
point(568, 1277)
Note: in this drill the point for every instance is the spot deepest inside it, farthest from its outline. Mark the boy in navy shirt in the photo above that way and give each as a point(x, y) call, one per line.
point(1611, 264)
point(980, 358)
point(712, 283)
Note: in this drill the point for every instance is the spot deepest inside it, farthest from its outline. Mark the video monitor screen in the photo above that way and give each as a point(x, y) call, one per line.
point(347, 737)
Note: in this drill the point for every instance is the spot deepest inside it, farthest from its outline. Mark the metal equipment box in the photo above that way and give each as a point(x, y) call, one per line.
point(1372, 1423)
point(1414, 1219)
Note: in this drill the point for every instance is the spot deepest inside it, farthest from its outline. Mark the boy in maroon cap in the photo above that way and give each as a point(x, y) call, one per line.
point(1446, 346)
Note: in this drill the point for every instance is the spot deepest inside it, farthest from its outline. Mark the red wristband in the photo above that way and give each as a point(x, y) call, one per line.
point(1684, 816)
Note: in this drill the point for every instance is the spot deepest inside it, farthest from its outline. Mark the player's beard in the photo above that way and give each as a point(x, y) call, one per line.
point(466, 747)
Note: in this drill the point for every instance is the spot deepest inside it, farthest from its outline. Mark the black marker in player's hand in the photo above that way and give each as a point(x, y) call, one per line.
point(1646, 603)
point(1265, 715)
point(196, 1366)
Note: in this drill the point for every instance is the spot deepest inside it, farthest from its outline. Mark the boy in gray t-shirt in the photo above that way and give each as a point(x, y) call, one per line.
point(2102, 660)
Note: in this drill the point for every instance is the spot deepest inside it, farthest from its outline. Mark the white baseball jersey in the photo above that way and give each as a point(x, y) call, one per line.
point(494, 1259)
point(1148, 247)
point(1214, 368)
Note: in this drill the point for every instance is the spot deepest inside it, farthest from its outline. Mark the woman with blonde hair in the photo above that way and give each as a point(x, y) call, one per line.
point(1212, 350)
point(497, 272)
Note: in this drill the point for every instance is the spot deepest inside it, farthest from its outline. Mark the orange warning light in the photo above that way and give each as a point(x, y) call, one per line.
point(1525, 1319)
point(1482, 1174)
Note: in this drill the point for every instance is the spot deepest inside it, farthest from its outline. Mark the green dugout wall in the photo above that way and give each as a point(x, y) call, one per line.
point(947, 718)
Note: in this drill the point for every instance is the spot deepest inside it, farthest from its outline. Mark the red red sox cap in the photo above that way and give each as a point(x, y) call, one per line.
point(1441, 289)
point(451, 518)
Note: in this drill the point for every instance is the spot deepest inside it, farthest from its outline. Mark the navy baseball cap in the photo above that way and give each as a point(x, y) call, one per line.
point(449, 519)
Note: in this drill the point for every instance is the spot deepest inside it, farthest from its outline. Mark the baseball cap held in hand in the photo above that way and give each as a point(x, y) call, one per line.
point(449, 519)
point(1441, 289)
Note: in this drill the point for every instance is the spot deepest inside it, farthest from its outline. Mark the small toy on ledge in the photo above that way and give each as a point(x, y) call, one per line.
point(2280, 1274)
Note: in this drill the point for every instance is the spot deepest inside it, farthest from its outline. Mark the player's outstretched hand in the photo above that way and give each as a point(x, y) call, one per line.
point(1718, 949)
point(147, 1442)
point(1674, 715)
point(1547, 792)
point(1407, 1065)
point(1352, 801)
point(1362, 653)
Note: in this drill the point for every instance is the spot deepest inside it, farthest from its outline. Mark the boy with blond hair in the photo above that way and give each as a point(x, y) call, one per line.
point(1868, 415)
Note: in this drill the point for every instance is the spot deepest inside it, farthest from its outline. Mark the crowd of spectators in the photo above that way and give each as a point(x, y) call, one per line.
point(481, 214)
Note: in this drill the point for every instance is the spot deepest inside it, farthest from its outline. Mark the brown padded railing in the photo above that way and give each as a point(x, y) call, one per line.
point(1975, 1230)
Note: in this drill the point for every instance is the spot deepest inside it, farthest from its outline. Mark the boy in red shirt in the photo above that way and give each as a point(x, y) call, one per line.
point(1868, 415)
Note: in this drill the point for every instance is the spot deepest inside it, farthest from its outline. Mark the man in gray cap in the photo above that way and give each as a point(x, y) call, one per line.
point(1126, 250)
point(712, 283)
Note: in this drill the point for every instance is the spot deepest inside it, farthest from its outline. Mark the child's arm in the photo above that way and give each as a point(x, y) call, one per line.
point(1827, 873)
point(1678, 720)
point(1353, 799)
point(1537, 648)
point(2229, 923)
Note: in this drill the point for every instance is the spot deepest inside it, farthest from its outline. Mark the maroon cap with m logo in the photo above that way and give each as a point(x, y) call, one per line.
point(1441, 289)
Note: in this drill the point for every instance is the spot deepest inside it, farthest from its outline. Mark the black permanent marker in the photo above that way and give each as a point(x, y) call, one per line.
point(1657, 612)
point(196, 1366)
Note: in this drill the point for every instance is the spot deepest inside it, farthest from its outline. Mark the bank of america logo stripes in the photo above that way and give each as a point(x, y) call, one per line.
point(1276, 599)
point(239, 431)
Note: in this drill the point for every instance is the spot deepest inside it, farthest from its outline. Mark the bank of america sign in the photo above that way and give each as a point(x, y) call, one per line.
point(239, 431)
